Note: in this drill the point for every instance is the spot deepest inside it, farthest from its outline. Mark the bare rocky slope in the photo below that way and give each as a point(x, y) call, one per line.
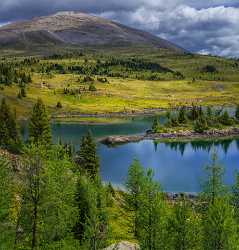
point(77, 29)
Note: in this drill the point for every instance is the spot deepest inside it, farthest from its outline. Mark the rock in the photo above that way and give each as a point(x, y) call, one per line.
point(114, 140)
point(124, 245)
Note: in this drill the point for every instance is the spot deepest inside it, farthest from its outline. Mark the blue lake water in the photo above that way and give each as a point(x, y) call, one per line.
point(179, 167)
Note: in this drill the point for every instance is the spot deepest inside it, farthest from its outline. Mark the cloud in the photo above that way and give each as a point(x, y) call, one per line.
point(200, 26)
point(209, 30)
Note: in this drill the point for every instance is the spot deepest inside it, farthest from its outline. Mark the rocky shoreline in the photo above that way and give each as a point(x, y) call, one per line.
point(132, 113)
point(181, 135)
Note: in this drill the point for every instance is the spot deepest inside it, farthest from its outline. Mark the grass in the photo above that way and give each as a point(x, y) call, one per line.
point(131, 95)
point(122, 95)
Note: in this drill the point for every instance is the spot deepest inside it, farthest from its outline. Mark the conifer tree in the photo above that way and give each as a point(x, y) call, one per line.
point(155, 125)
point(39, 126)
point(225, 119)
point(219, 226)
point(9, 135)
point(184, 227)
point(152, 215)
point(88, 159)
point(6, 199)
point(134, 185)
point(200, 125)
point(182, 118)
point(235, 197)
point(214, 186)
point(91, 228)
point(237, 112)
point(48, 210)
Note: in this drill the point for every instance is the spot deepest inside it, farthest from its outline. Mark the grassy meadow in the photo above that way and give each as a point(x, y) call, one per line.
point(129, 88)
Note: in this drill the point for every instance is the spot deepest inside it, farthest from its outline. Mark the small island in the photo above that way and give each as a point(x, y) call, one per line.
point(185, 123)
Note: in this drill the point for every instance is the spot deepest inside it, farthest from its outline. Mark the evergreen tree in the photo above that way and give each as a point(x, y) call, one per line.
point(39, 126)
point(193, 115)
point(235, 197)
point(155, 125)
point(7, 228)
point(214, 186)
point(209, 113)
point(91, 228)
point(151, 214)
point(88, 159)
point(200, 125)
point(225, 119)
point(237, 112)
point(48, 210)
point(182, 118)
point(134, 184)
point(9, 135)
point(185, 229)
point(220, 229)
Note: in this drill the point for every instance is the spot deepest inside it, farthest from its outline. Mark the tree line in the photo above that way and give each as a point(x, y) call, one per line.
point(197, 119)
point(8, 75)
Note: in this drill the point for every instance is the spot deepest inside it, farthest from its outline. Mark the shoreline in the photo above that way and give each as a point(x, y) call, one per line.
point(176, 136)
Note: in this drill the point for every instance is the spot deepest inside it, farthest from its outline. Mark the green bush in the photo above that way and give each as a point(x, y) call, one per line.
point(92, 87)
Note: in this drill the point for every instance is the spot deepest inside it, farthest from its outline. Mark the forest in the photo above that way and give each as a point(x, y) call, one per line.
point(53, 198)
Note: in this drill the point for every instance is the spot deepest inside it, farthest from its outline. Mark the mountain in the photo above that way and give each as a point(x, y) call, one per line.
point(78, 30)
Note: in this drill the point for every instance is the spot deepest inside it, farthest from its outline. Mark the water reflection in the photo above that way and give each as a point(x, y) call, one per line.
point(205, 145)
point(179, 166)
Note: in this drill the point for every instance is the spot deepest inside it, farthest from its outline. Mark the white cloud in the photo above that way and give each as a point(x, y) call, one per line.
point(208, 30)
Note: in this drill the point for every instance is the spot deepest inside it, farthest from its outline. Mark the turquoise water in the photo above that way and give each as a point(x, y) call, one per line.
point(178, 166)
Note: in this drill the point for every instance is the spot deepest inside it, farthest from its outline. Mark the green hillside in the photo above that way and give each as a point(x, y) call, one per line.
point(110, 81)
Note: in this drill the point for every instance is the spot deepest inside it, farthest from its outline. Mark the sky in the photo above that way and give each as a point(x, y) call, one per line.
point(202, 26)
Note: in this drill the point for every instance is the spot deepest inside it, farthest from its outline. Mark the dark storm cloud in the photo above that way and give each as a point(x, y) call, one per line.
point(206, 26)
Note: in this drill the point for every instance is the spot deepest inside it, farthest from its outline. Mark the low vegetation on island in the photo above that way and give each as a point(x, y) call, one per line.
point(197, 119)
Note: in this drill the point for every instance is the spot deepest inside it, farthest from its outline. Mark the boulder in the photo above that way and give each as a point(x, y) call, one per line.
point(124, 245)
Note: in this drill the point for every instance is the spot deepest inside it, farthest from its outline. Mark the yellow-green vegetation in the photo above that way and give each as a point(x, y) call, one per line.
point(120, 221)
point(127, 85)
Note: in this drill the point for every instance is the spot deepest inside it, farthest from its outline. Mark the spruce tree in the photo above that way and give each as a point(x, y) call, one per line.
point(184, 226)
point(182, 118)
point(200, 125)
point(7, 228)
point(9, 135)
point(237, 113)
point(214, 185)
point(235, 196)
point(151, 215)
point(88, 159)
point(134, 185)
point(156, 125)
point(39, 126)
point(219, 226)
point(48, 210)
point(91, 228)
point(225, 119)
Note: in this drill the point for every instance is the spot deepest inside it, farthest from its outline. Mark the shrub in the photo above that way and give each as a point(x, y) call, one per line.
point(59, 105)
point(200, 125)
point(92, 87)
point(225, 119)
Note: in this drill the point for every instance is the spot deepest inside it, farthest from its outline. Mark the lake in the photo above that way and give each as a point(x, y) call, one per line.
point(179, 167)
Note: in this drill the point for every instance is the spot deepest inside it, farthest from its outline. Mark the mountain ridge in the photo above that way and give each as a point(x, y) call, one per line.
point(78, 29)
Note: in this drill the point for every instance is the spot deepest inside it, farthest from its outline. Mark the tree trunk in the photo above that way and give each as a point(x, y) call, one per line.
point(34, 227)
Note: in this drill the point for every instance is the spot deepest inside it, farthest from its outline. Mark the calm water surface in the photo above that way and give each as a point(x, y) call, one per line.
point(178, 166)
